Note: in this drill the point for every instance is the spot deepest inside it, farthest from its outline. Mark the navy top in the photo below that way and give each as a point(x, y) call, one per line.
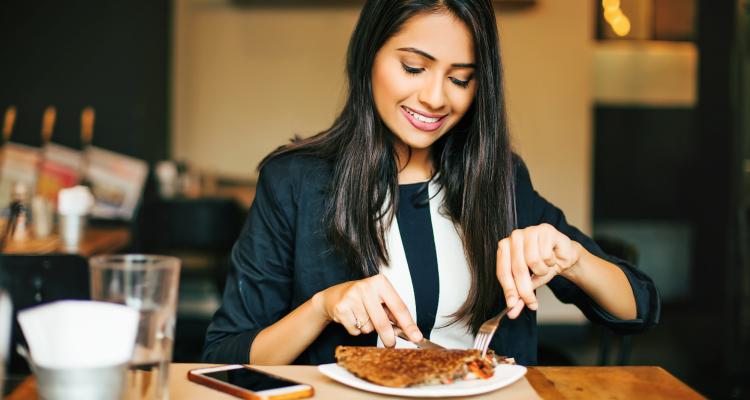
point(282, 258)
point(415, 225)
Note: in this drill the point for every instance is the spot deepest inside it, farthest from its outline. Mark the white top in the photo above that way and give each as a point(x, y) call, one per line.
point(454, 276)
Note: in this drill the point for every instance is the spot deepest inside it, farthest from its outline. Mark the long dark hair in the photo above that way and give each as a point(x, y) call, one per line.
point(474, 161)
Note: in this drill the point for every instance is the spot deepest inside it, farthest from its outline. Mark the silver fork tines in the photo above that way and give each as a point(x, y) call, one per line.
point(487, 330)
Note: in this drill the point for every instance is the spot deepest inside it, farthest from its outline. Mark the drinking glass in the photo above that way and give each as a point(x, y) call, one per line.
point(149, 284)
point(5, 324)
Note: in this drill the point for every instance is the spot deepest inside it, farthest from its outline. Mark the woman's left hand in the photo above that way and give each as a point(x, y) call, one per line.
point(530, 258)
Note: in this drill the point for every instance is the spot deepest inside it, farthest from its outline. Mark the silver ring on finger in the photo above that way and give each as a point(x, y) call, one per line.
point(360, 324)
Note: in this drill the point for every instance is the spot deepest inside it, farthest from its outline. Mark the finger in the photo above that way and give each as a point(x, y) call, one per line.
point(399, 311)
point(521, 274)
point(516, 310)
point(390, 314)
point(356, 325)
point(343, 314)
point(547, 245)
point(532, 254)
point(360, 313)
point(537, 281)
point(563, 250)
point(396, 329)
point(379, 319)
point(504, 273)
point(367, 327)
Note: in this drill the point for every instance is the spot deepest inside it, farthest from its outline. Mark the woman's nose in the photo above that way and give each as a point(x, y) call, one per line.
point(431, 94)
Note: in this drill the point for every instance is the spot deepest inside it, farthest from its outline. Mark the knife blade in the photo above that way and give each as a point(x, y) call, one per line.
point(422, 344)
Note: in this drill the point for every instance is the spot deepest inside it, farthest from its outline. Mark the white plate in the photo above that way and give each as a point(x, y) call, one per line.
point(504, 376)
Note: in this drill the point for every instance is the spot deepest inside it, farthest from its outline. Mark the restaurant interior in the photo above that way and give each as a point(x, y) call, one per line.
point(633, 117)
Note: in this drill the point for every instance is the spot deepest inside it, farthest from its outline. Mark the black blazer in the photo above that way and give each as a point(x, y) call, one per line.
point(282, 258)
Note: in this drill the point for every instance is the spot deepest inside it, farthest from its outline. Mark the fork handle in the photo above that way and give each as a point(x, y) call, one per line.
point(504, 312)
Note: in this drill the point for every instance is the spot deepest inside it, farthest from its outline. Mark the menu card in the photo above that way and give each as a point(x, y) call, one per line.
point(60, 169)
point(19, 164)
point(117, 183)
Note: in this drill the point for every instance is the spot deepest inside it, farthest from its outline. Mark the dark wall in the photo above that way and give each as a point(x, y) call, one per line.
point(109, 54)
point(645, 163)
point(675, 164)
point(715, 121)
point(683, 164)
point(721, 144)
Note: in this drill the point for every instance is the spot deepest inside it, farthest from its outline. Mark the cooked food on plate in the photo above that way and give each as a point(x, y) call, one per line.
point(415, 367)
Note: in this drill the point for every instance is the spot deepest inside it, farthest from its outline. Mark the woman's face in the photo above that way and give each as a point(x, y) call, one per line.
point(422, 78)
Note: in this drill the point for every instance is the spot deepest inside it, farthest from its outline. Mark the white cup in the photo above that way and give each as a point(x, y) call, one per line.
point(6, 312)
point(42, 212)
point(71, 230)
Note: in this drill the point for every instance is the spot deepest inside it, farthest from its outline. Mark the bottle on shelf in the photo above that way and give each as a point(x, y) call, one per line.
point(88, 116)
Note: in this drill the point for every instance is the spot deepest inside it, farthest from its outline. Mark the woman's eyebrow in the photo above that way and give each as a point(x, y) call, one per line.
point(432, 58)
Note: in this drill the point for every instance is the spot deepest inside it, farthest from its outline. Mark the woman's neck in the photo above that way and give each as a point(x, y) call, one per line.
point(414, 167)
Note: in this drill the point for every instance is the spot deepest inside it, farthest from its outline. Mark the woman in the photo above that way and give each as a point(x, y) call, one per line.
point(412, 210)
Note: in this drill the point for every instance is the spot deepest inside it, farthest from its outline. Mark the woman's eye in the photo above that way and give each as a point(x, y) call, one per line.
point(460, 83)
point(411, 70)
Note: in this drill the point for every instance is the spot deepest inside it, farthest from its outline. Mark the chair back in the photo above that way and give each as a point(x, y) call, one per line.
point(205, 224)
point(624, 343)
point(201, 232)
point(619, 248)
point(37, 279)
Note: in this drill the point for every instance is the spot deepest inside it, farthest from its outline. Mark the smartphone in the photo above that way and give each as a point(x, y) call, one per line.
point(249, 383)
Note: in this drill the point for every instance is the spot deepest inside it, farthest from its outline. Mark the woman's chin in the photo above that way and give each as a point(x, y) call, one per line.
point(420, 141)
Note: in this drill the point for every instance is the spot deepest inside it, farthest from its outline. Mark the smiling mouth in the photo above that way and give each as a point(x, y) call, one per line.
point(427, 119)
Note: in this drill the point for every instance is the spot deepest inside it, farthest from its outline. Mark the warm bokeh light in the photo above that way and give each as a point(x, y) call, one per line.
point(615, 17)
point(610, 5)
point(621, 26)
point(611, 14)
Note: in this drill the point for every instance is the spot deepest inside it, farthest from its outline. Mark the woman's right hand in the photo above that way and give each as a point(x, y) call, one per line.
point(362, 306)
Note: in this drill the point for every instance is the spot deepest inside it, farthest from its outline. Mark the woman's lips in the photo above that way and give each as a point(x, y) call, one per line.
point(421, 124)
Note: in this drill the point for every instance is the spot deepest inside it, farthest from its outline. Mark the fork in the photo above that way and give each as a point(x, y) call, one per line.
point(487, 330)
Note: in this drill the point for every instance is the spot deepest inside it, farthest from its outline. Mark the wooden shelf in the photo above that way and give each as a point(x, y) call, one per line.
point(95, 241)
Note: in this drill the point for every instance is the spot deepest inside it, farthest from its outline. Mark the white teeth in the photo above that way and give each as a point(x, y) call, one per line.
point(422, 118)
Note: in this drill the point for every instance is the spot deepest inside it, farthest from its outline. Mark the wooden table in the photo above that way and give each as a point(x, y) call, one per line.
point(96, 240)
point(540, 382)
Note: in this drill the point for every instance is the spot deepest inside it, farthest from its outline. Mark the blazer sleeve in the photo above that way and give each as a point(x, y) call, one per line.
point(533, 209)
point(259, 284)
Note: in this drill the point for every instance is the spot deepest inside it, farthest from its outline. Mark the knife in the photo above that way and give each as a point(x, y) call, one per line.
point(422, 344)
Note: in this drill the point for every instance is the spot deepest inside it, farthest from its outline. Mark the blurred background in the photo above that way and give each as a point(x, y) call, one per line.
point(632, 116)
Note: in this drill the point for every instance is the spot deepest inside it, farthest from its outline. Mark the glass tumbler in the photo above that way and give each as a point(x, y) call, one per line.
point(149, 284)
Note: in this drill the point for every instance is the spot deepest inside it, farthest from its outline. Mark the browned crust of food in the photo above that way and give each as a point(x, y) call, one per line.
point(410, 367)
